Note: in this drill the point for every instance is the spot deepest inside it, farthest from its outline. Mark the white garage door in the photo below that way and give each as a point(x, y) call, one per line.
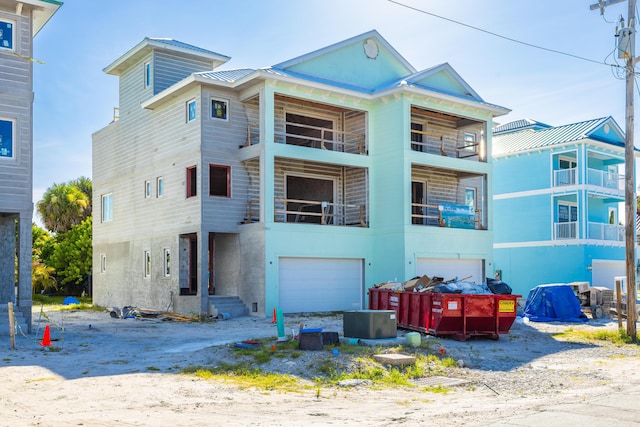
point(471, 270)
point(319, 284)
point(603, 272)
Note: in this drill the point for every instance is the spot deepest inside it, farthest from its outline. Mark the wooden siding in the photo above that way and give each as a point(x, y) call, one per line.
point(16, 101)
point(170, 68)
point(221, 142)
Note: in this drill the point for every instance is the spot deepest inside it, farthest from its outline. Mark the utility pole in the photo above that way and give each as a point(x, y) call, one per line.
point(626, 43)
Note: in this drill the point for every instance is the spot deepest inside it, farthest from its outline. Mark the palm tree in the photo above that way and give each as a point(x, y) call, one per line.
point(62, 206)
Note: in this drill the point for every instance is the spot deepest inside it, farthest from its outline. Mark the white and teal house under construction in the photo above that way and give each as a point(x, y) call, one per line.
point(295, 186)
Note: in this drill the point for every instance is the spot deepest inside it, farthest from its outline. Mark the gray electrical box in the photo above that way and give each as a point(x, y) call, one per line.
point(370, 324)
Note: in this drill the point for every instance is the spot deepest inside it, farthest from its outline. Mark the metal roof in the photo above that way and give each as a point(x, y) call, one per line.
point(185, 46)
point(521, 124)
point(228, 76)
point(529, 139)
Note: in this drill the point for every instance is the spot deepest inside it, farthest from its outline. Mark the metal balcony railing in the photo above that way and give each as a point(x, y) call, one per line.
point(609, 232)
point(565, 230)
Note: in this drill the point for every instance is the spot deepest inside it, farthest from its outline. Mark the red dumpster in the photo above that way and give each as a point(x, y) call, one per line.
point(465, 315)
point(460, 315)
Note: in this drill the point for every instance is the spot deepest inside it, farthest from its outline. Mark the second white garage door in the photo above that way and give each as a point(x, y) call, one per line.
point(320, 284)
point(604, 271)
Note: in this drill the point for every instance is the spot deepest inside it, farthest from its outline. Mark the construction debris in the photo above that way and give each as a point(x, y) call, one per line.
point(439, 285)
point(128, 312)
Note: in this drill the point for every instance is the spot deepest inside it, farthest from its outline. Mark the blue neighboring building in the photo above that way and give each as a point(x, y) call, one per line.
point(558, 202)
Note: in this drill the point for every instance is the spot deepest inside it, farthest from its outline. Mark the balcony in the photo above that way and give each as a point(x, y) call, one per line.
point(445, 135)
point(307, 192)
point(599, 180)
point(310, 124)
point(608, 232)
point(448, 198)
point(565, 230)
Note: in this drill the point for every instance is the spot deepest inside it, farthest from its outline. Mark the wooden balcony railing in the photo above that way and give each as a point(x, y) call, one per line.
point(435, 143)
point(319, 212)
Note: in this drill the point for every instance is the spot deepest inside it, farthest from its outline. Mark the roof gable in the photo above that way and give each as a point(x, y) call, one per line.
point(604, 130)
point(607, 131)
point(443, 78)
point(366, 61)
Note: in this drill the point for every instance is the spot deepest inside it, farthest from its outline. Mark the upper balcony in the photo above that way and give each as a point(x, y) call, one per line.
point(446, 135)
point(602, 177)
point(313, 125)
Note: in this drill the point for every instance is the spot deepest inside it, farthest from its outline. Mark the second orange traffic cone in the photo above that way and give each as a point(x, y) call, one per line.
point(46, 338)
point(273, 320)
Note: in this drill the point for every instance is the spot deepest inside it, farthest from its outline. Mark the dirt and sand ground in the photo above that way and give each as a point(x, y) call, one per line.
point(103, 371)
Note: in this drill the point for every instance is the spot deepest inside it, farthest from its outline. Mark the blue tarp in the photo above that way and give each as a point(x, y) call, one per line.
point(70, 300)
point(553, 303)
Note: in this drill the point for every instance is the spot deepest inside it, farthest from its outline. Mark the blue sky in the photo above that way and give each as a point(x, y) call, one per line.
point(74, 97)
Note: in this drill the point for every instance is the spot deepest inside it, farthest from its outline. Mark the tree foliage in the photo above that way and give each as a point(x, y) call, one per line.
point(65, 205)
point(72, 255)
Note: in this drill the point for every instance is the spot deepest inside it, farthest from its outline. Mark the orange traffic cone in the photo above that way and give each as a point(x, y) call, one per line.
point(273, 320)
point(46, 339)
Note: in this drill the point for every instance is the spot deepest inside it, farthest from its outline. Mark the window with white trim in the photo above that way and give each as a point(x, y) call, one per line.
point(107, 207)
point(7, 34)
point(220, 109)
point(159, 186)
point(7, 139)
point(470, 141)
point(147, 264)
point(191, 110)
point(167, 262)
point(147, 74)
point(147, 189)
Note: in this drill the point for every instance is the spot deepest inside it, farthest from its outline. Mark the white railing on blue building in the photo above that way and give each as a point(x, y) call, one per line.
point(564, 177)
point(565, 230)
point(601, 231)
point(605, 179)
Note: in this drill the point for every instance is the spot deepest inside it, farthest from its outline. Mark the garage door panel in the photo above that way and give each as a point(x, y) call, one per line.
point(317, 285)
point(604, 271)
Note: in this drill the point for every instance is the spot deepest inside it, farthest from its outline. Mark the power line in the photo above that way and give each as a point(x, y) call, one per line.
point(582, 58)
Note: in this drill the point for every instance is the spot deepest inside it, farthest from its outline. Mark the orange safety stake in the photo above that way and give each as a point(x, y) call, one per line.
point(46, 339)
point(273, 320)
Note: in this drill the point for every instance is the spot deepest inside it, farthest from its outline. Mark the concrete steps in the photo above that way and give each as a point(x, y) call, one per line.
point(20, 322)
point(227, 306)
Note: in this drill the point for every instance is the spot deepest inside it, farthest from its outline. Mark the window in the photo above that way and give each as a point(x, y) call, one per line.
point(567, 213)
point(107, 207)
point(147, 264)
point(470, 141)
point(147, 189)
point(219, 181)
point(6, 138)
point(470, 197)
point(417, 130)
point(191, 110)
point(567, 164)
point(192, 189)
point(159, 186)
point(418, 202)
point(219, 109)
point(167, 262)
point(147, 74)
point(6, 34)
point(103, 263)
